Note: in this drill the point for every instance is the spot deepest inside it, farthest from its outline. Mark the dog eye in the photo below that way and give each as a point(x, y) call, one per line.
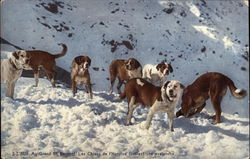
point(22, 56)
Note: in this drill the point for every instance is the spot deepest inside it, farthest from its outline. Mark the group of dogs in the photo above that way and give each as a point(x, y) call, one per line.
point(143, 85)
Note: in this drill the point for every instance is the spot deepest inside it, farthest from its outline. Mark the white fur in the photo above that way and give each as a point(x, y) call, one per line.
point(150, 72)
point(10, 74)
point(237, 90)
point(139, 82)
point(135, 73)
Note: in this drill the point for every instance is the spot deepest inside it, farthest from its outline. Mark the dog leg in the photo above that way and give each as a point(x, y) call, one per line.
point(112, 81)
point(8, 90)
point(119, 86)
point(36, 76)
point(171, 116)
point(216, 100)
point(74, 89)
point(51, 78)
point(131, 108)
point(89, 90)
point(149, 118)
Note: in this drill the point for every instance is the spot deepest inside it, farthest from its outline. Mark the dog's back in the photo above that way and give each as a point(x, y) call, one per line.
point(141, 89)
point(39, 57)
point(117, 68)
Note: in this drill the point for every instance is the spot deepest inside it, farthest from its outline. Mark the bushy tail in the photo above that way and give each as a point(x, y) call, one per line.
point(63, 51)
point(236, 92)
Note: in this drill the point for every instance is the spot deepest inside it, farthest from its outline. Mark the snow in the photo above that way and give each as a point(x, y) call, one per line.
point(51, 121)
point(195, 36)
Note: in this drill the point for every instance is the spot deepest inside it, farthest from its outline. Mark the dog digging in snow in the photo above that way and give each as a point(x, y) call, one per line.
point(159, 99)
point(124, 70)
point(11, 70)
point(211, 85)
point(44, 60)
point(156, 73)
point(80, 74)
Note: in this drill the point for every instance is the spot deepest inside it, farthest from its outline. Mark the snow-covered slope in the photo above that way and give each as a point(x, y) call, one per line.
point(49, 122)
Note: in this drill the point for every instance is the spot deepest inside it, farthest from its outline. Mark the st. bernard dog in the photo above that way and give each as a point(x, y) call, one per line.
point(80, 74)
point(211, 85)
point(44, 60)
point(158, 99)
point(11, 70)
point(156, 73)
point(124, 70)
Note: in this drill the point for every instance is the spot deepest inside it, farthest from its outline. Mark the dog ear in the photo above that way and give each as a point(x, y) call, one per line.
point(78, 60)
point(15, 54)
point(182, 86)
point(89, 60)
point(166, 84)
point(170, 68)
point(158, 66)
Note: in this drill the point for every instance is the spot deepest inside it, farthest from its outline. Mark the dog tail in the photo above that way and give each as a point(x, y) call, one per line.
point(65, 49)
point(236, 92)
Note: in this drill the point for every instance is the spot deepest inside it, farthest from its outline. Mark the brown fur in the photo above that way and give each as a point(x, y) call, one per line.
point(121, 68)
point(209, 85)
point(46, 61)
point(80, 74)
point(142, 94)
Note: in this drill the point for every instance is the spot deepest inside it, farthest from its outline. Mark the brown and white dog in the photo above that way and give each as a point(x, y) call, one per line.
point(44, 60)
point(80, 74)
point(11, 70)
point(156, 73)
point(211, 85)
point(124, 70)
point(159, 99)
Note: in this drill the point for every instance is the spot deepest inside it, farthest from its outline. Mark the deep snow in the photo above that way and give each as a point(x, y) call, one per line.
point(49, 120)
point(196, 36)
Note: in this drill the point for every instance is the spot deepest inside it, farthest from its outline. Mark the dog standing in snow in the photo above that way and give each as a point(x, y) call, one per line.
point(46, 61)
point(211, 85)
point(156, 73)
point(158, 99)
point(80, 74)
point(124, 70)
point(11, 70)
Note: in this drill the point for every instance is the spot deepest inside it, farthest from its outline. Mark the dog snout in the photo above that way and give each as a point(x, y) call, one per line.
point(171, 92)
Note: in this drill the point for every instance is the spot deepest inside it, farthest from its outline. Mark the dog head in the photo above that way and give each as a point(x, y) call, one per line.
point(83, 62)
point(172, 90)
point(188, 105)
point(131, 64)
point(21, 57)
point(164, 68)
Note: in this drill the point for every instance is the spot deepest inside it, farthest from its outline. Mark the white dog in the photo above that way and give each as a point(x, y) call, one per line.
point(158, 99)
point(11, 70)
point(156, 73)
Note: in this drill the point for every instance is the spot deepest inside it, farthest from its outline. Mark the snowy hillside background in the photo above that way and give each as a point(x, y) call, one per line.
point(195, 36)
